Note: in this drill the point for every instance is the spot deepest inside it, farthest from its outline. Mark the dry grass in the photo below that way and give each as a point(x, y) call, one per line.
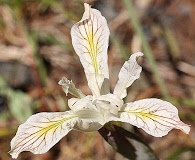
point(35, 39)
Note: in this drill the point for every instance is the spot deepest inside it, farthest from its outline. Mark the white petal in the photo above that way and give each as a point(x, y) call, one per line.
point(109, 102)
point(112, 99)
point(89, 120)
point(155, 116)
point(41, 132)
point(90, 41)
point(95, 82)
point(69, 87)
point(76, 104)
point(109, 111)
point(129, 72)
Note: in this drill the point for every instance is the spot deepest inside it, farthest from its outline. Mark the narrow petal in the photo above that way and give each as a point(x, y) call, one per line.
point(112, 99)
point(129, 72)
point(41, 132)
point(69, 87)
point(155, 116)
point(90, 41)
point(95, 82)
point(76, 104)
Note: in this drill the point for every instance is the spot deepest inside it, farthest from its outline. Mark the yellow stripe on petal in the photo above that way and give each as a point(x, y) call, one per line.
point(51, 126)
point(92, 46)
point(42, 131)
point(90, 41)
point(155, 116)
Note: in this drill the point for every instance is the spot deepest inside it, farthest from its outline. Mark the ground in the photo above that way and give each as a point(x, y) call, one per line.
point(36, 52)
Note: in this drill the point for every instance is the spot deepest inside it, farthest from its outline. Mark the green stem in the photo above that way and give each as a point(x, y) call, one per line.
point(178, 152)
point(32, 41)
point(116, 41)
point(146, 47)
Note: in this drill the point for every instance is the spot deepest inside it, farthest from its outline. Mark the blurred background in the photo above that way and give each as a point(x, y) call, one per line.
point(36, 52)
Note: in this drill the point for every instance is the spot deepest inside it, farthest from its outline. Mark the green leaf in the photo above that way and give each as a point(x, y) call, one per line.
point(19, 103)
point(127, 143)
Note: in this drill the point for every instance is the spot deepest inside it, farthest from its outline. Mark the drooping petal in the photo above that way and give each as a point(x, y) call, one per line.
point(155, 116)
point(129, 72)
point(41, 132)
point(69, 87)
point(90, 41)
point(89, 120)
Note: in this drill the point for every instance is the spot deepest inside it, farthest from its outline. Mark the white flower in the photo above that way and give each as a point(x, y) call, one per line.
point(89, 113)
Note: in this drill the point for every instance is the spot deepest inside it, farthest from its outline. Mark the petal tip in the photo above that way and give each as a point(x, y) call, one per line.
point(87, 7)
point(186, 129)
point(139, 54)
point(13, 154)
point(60, 82)
point(63, 81)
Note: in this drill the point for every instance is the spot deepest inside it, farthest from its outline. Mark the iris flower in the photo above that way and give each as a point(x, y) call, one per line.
point(88, 113)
